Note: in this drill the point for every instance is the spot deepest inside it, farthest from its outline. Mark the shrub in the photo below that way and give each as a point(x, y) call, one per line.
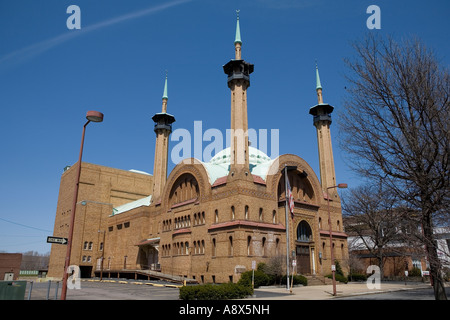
point(215, 292)
point(415, 272)
point(298, 279)
point(261, 279)
point(338, 268)
point(357, 277)
point(338, 277)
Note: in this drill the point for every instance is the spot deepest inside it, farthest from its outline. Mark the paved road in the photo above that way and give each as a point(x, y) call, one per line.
point(158, 290)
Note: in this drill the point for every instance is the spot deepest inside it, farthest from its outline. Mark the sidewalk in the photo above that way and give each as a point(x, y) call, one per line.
point(325, 292)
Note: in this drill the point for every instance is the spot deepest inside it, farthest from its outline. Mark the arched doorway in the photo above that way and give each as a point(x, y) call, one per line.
point(303, 241)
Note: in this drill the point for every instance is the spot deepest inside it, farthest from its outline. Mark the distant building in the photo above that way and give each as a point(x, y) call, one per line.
point(10, 266)
point(207, 221)
point(399, 254)
point(442, 236)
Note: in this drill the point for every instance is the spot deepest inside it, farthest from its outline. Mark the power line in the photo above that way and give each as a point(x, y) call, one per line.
point(23, 225)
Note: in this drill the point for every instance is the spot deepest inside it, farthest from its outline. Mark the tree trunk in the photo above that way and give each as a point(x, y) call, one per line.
point(433, 259)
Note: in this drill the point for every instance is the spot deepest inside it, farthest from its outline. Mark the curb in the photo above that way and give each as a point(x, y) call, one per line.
point(353, 294)
point(136, 283)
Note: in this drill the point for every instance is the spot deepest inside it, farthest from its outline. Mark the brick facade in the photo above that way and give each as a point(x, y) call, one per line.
point(199, 223)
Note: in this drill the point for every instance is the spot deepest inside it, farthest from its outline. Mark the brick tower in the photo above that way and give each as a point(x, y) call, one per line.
point(238, 72)
point(163, 128)
point(322, 121)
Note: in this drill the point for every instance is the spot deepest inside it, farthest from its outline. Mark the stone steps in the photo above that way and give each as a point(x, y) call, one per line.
point(317, 280)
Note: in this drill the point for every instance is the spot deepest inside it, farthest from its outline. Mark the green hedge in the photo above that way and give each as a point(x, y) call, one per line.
point(261, 279)
point(298, 279)
point(223, 291)
point(338, 277)
point(356, 277)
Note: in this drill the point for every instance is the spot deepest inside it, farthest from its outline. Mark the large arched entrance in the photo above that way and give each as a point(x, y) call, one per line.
point(303, 242)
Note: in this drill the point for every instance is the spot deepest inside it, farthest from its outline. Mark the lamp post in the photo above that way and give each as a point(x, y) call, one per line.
point(333, 267)
point(93, 116)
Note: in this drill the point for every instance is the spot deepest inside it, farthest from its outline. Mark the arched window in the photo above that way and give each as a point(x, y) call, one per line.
point(246, 213)
point(264, 252)
point(232, 212)
point(260, 214)
point(213, 247)
point(274, 216)
point(249, 241)
point(230, 248)
point(304, 233)
point(216, 215)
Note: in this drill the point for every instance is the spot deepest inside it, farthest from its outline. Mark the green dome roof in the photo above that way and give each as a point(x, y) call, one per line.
point(219, 165)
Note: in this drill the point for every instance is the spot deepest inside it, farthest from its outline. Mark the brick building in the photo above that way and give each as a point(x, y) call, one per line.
point(10, 266)
point(206, 220)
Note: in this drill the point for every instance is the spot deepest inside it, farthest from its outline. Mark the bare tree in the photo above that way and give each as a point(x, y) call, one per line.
point(371, 215)
point(395, 127)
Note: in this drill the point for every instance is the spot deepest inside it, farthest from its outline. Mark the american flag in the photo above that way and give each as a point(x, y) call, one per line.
point(290, 198)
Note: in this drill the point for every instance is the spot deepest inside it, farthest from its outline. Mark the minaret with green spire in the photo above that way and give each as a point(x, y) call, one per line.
point(318, 86)
point(237, 39)
point(165, 97)
point(322, 121)
point(238, 72)
point(163, 128)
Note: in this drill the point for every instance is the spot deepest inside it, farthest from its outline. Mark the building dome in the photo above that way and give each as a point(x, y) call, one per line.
point(219, 165)
point(255, 157)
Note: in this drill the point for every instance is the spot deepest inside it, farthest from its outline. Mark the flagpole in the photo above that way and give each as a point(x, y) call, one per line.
point(287, 226)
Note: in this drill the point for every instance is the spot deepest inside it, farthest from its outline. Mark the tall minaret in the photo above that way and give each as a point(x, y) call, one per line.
point(322, 121)
point(163, 128)
point(238, 72)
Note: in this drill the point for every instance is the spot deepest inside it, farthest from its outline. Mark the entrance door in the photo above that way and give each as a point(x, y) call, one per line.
point(303, 260)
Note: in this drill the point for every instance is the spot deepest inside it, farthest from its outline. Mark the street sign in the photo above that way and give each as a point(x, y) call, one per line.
point(59, 240)
point(253, 265)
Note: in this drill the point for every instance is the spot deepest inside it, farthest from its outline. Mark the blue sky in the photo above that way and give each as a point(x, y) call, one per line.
point(51, 76)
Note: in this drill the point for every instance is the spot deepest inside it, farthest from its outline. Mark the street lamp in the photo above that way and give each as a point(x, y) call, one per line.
point(93, 116)
point(333, 267)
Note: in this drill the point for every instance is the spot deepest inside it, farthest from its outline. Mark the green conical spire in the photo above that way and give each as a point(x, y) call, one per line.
point(318, 85)
point(165, 89)
point(238, 30)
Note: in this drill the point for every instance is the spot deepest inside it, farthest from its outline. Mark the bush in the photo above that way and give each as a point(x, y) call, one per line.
point(415, 272)
point(298, 279)
point(261, 279)
point(357, 277)
point(215, 291)
point(338, 277)
point(338, 268)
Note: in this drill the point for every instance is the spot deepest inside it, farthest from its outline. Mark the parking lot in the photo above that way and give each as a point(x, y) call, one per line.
point(113, 289)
